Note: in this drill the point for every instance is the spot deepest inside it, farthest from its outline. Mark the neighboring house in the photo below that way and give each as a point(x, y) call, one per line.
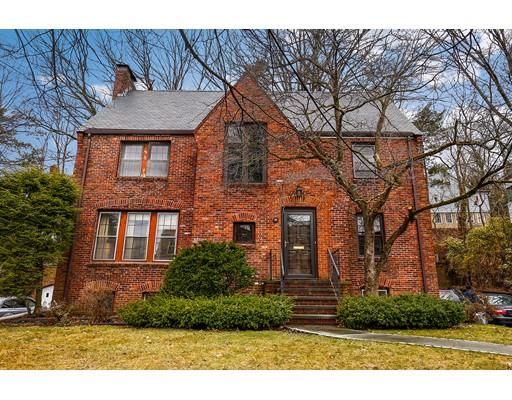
point(161, 170)
point(446, 217)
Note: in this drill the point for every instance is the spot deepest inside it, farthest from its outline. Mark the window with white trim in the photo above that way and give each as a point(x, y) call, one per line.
point(136, 237)
point(144, 159)
point(363, 160)
point(380, 292)
point(106, 235)
point(165, 238)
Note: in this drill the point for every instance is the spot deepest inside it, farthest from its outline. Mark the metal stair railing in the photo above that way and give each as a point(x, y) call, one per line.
point(334, 272)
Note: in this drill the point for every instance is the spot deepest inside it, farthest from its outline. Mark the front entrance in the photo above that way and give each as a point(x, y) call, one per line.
point(299, 242)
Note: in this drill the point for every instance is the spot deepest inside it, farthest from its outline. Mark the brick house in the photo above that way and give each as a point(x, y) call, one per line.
point(162, 170)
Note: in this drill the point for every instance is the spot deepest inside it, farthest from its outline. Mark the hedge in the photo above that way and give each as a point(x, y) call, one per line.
point(227, 313)
point(411, 311)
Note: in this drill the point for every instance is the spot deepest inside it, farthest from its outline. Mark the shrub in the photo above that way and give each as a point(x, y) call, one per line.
point(409, 311)
point(61, 312)
point(230, 312)
point(208, 269)
point(478, 312)
point(97, 304)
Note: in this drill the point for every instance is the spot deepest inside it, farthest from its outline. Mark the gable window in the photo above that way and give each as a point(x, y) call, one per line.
point(243, 232)
point(136, 236)
point(245, 153)
point(363, 159)
point(378, 230)
point(149, 159)
point(106, 236)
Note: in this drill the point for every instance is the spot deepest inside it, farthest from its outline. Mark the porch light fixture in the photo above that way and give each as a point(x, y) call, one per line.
point(299, 193)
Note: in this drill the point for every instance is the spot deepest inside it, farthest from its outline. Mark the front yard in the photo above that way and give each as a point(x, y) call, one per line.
point(110, 347)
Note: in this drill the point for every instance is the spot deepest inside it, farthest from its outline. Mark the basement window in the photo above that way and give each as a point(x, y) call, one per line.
point(381, 292)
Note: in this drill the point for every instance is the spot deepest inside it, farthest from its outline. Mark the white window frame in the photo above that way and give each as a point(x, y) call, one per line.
point(97, 231)
point(371, 172)
point(148, 160)
point(175, 237)
point(126, 236)
point(379, 291)
point(123, 145)
point(446, 218)
point(437, 214)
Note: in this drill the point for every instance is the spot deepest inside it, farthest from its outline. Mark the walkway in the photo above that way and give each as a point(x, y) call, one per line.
point(455, 344)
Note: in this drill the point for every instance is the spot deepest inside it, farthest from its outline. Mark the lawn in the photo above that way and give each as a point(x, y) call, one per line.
point(109, 347)
point(482, 333)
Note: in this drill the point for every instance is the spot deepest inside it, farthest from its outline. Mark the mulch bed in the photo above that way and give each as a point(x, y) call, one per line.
point(52, 321)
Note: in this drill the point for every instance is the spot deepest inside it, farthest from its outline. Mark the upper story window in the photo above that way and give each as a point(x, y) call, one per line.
point(136, 236)
point(378, 229)
point(245, 153)
point(363, 159)
point(149, 159)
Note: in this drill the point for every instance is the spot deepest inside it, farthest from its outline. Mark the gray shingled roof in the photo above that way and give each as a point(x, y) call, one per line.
point(155, 110)
point(184, 111)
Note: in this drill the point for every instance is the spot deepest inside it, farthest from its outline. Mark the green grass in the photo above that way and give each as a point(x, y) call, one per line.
point(108, 347)
point(481, 333)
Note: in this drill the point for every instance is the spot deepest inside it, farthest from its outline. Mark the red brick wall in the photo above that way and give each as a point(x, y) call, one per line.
point(208, 207)
point(104, 190)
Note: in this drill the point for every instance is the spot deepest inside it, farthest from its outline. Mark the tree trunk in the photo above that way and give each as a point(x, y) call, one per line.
point(370, 267)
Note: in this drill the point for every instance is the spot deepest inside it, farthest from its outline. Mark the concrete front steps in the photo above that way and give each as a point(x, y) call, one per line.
point(315, 301)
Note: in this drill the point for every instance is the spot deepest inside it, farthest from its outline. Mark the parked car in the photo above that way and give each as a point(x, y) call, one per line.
point(454, 295)
point(502, 303)
point(15, 305)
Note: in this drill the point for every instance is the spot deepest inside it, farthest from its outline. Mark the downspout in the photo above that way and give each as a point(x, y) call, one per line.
point(418, 227)
point(67, 279)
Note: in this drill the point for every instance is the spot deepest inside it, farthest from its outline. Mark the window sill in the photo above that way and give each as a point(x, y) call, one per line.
point(244, 185)
point(142, 178)
point(247, 245)
point(134, 263)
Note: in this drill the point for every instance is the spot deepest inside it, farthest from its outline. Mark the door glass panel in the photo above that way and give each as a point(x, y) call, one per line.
point(298, 247)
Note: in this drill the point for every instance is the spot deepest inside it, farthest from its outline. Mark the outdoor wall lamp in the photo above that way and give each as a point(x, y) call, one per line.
point(299, 193)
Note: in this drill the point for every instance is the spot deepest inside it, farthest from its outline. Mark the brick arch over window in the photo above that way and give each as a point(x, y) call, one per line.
point(311, 201)
point(243, 217)
point(101, 285)
point(126, 204)
point(150, 287)
point(384, 282)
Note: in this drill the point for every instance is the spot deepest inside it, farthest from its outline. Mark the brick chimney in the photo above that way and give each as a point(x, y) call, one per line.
point(124, 81)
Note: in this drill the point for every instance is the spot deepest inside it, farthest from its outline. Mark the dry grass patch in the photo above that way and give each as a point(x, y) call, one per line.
point(481, 333)
point(108, 347)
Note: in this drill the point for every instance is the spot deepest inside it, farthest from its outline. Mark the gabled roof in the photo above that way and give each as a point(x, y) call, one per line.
point(183, 111)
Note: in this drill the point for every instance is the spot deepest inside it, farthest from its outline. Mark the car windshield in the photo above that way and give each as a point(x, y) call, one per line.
point(497, 299)
point(450, 295)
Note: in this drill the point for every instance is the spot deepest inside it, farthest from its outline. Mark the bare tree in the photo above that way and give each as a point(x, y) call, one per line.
point(340, 73)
